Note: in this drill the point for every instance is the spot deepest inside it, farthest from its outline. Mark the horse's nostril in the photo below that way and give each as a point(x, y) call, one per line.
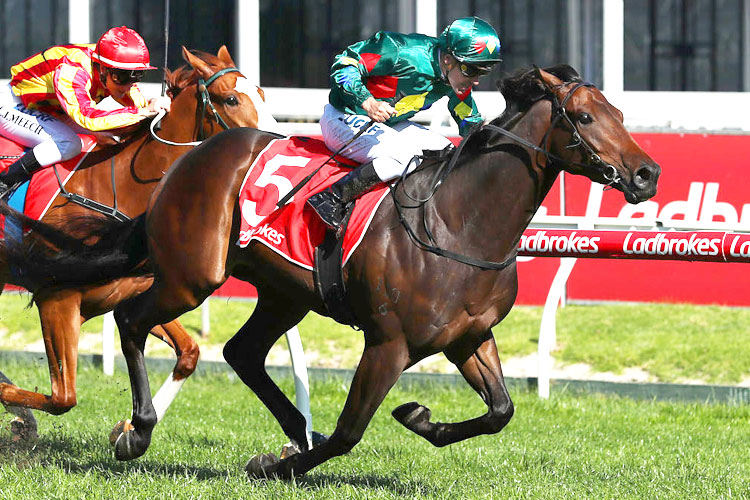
point(646, 176)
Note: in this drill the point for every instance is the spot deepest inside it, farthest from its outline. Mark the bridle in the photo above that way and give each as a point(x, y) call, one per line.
point(608, 171)
point(204, 102)
point(595, 162)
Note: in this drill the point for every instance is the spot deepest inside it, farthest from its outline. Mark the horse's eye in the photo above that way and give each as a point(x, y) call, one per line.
point(231, 100)
point(585, 118)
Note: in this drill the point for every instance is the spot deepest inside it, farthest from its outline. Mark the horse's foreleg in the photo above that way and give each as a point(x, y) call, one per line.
point(24, 425)
point(378, 370)
point(187, 352)
point(246, 353)
point(482, 371)
point(61, 321)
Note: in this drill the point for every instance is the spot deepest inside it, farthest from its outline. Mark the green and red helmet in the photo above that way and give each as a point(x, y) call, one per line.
point(471, 40)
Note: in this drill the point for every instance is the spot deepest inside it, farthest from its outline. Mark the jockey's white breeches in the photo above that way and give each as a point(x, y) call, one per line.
point(51, 140)
point(389, 148)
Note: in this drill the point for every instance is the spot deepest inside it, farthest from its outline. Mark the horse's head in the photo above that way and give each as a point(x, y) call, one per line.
point(587, 137)
point(222, 90)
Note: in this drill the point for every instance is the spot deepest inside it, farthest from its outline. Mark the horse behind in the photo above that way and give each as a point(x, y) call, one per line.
point(410, 303)
point(209, 94)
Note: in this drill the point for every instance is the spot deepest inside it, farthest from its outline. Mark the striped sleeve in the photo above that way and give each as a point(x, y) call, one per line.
point(137, 97)
point(72, 84)
point(464, 111)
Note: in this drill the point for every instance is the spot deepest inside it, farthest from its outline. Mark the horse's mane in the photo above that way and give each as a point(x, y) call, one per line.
point(521, 89)
point(184, 76)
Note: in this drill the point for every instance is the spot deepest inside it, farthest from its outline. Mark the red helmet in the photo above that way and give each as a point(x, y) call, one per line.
point(122, 48)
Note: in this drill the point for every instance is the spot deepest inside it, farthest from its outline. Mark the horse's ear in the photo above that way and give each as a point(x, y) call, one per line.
point(197, 63)
point(223, 54)
point(549, 79)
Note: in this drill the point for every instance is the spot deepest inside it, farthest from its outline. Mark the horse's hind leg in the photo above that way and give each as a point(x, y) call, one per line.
point(482, 371)
point(61, 321)
point(378, 370)
point(247, 350)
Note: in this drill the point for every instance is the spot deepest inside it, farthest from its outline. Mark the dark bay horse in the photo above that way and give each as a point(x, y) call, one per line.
point(410, 303)
point(210, 86)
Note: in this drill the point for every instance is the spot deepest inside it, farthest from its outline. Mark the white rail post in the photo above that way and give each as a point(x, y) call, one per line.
point(548, 328)
point(79, 21)
point(301, 383)
point(247, 30)
point(108, 344)
point(205, 319)
point(426, 17)
point(613, 59)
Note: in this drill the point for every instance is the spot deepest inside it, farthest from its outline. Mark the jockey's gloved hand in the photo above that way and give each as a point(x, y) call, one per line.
point(155, 105)
point(379, 111)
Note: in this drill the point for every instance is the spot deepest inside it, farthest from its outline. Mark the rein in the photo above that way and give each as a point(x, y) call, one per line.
point(113, 212)
point(432, 246)
point(608, 172)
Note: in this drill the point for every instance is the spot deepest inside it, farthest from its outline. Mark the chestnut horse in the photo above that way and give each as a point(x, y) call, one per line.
point(208, 92)
point(411, 298)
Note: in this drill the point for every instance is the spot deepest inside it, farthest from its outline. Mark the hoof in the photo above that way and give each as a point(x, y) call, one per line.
point(288, 450)
point(263, 466)
point(23, 430)
point(318, 438)
point(412, 415)
point(129, 444)
point(121, 428)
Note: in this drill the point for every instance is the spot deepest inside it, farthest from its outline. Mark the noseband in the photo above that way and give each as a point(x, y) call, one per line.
point(595, 162)
point(204, 99)
point(608, 171)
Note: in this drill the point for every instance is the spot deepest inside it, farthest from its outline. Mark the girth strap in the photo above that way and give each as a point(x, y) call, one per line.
point(83, 201)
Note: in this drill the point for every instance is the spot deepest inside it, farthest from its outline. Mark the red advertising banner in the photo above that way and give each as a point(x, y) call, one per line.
point(701, 181)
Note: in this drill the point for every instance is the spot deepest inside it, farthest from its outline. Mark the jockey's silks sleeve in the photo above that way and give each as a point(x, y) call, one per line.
point(393, 66)
point(59, 80)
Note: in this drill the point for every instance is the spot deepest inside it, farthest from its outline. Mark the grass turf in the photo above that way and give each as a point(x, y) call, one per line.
point(566, 447)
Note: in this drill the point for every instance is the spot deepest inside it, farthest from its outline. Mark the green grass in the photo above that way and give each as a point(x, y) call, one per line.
point(568, 447)
point(674, 343)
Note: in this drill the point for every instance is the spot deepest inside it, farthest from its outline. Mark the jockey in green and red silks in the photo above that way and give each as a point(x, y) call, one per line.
point(387, 79)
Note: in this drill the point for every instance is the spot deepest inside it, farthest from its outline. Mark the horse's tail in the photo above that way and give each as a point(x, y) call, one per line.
point(90, 250)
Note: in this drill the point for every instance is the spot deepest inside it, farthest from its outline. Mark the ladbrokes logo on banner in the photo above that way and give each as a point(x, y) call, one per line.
point(569, 244)
point(709, 246)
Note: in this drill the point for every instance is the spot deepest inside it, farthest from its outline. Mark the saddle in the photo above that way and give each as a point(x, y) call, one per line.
point(34, 197)
point(328, 272)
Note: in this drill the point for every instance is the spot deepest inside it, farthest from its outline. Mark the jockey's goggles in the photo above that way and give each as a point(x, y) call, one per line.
point(471, 70)
point(126, 76)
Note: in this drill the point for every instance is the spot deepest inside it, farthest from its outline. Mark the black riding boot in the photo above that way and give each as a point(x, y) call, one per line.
point(330, 204)
point(18, 172)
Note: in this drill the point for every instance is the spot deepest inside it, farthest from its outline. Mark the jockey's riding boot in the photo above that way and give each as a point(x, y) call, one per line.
point(330, 204)
point(18, 172)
